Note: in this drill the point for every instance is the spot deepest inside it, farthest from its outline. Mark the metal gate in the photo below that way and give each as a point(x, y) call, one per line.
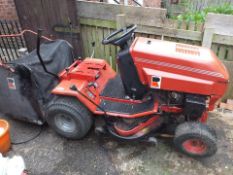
point(10, 47)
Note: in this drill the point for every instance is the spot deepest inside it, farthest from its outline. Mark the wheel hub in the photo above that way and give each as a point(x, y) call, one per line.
point(195, 146)
point(65, 123)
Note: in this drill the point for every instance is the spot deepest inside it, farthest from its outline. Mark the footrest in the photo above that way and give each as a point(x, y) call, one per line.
point(126, 108)
point(114, 88)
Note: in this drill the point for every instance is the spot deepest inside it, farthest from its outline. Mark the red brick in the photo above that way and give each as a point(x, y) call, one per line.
point(7, 10)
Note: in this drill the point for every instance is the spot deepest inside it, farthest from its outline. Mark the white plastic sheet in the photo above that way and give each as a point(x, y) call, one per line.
point(11, 166)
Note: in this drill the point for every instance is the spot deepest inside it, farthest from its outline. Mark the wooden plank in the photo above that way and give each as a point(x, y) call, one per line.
point(100, 36)
point(31, 15)
point(107, 47)
point(179, 24)
point(95, 39)
point(223, 24)
point(184, 25)
point(187, 25)
point(208, 37)
point(199, 27)
point(62, 12)
point(170, 23)
point(229, 93)
point(214, 47)
point(98, 22)
point(179, 33)
point(89, 40)
point(134, 15)
point(113, 56)
point(47, 14)
point(84, 41)
point(223, 39)
point(230, 53)
point(222, 52)
point(184, 34)
point(120, 21)
point(191, 26)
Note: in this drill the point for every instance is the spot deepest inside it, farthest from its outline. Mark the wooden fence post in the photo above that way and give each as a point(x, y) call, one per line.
point(120, 21)
point(208, 37)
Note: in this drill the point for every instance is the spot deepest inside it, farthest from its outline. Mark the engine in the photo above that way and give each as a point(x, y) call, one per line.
point(193, 105)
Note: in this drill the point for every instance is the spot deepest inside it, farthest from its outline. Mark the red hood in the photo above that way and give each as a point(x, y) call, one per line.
point(190, 59)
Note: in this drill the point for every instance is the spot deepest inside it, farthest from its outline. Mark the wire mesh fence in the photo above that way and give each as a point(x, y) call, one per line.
point(10, 47)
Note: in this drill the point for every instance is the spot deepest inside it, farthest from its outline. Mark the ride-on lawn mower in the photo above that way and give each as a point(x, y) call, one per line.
point(162, 87)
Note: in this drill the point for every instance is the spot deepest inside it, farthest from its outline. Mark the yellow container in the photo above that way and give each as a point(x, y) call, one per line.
point(5, 142)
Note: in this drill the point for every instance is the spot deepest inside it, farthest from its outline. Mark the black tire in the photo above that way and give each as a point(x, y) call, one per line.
point(195, 140)
point(69, 118)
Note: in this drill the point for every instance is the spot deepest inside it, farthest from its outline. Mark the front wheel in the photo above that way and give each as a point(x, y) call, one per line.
point(195, 139)
point(69, 118)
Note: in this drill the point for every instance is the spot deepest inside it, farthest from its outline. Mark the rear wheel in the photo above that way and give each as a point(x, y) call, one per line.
point(195, 139)
point(69, 118)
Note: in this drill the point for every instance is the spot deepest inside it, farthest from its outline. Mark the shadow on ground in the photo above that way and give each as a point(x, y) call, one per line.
point(49, 154)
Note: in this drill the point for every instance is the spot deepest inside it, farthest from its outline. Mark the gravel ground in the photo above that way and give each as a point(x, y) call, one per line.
point(49, 154)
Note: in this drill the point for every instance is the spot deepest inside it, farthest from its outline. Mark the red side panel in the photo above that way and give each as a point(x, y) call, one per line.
point(81, 74)
point(179, 67)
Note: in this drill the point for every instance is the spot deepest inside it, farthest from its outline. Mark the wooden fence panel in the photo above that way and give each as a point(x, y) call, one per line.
point(223, 52)
point(50, 15)
point(229, 93)
point(105, 11)
point(94, 35)
point(222, 24)
point(94, 31)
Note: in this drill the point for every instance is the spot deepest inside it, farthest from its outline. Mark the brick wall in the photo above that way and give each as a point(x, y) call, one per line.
point(7, 10)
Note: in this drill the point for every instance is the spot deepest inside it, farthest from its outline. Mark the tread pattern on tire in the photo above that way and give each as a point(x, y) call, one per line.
point(195, 130)
point(73, 106)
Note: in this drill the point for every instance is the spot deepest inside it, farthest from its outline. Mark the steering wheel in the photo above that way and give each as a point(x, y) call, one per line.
point(124, 35)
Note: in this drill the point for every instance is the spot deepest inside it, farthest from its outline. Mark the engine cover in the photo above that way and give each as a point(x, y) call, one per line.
point(179, 67)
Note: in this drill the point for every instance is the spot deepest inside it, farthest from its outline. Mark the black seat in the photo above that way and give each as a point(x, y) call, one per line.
point(129, 75)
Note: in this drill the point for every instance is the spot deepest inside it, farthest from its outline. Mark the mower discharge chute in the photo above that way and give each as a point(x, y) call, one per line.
point(161, 87)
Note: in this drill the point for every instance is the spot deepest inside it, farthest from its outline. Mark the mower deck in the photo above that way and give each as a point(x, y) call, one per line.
point(115, 89)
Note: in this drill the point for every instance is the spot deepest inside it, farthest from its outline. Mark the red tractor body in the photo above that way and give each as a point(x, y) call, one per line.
point(161, 87)
point(160, 65)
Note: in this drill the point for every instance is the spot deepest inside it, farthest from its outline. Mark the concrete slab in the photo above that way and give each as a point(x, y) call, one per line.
point(49, 154)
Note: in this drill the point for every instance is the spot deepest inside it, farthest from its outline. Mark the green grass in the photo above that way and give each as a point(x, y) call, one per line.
point(199, 16)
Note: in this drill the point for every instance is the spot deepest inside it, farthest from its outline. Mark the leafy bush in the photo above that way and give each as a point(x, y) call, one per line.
point(199, 16)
